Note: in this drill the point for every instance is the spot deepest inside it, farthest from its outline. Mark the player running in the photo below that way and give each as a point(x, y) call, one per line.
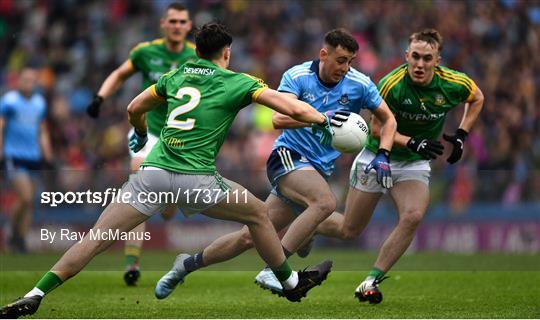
point(419, 93)
point(299, 166)
point(24, 147)
point(203, 98)
point(152, 59)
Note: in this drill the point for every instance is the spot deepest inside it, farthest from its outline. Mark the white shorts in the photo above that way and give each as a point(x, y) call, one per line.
point(152, 140)
point(401, 171)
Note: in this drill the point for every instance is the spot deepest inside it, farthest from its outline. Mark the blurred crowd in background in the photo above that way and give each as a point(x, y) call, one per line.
point(76, 44)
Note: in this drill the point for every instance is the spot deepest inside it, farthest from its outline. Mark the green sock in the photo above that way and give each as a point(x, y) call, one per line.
point(132, 255)
point(48, 282)
point(283, 272)
point(376, 273)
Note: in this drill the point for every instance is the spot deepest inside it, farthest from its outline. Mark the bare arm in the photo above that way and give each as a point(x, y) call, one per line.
point(289, 106)
point(115, 80)
point(281, 121)
point(45, 142)
point(140, 105)
point(386, 126)
point(472, 110)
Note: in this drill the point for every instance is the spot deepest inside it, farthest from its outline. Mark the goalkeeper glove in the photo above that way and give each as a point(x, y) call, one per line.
point(457, 140)
point(429, 149)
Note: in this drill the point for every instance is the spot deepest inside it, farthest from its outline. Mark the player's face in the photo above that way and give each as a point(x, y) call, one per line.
point(176, 25)
point(335, 62)
point(422, 59)
point(28, 81)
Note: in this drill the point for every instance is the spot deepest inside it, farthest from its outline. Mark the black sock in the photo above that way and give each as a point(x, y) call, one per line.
point(194, 262)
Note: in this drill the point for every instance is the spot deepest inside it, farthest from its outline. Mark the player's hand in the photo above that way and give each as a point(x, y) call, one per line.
point(93, 107)
point(381, 164)
point(326, 131)
point(457, 140)
point(429, 149)
point(337, 117)
point(137, 141)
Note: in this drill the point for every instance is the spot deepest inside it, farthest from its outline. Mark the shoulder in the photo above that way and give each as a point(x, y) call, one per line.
point(11, 96)
point(146, 45)
point(391, 79)
point(251, 78)
point(300, 70)
point(358, 77)
point(190, 45)
point(450, 76)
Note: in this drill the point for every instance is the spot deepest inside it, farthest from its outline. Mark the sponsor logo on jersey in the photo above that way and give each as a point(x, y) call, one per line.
point(439, 100)
point(200, 71)
point(344, 100)
point(156, 61)
point(307, 96)
point(420, 116)
point(154, 75)
point(407, 102)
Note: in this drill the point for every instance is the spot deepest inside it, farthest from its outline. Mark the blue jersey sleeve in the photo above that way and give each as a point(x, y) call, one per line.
point(5, 106)
point(288, 84)
point(372, 98)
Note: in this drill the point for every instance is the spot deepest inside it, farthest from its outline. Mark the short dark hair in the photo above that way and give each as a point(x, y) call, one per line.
point(429, 35)
point(341, 37)
point(176, 6)
point(211, 38)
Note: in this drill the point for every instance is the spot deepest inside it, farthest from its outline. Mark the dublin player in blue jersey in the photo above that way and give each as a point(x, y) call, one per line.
point(299, 165)
point(24, 145)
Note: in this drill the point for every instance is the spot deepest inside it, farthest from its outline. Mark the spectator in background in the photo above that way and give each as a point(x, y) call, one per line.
point(24, 146)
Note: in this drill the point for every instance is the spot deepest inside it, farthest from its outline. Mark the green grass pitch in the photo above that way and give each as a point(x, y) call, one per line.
point(427, 285)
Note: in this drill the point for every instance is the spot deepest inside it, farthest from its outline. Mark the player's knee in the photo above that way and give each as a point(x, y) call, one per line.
point(259, 215)
point(411, 218)
point(325, 205)
point(245, 240)
point(348, 233)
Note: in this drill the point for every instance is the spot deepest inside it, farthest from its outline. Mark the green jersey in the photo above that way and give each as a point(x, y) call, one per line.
point(420, 111)
point(153, 59)
point(203, 100)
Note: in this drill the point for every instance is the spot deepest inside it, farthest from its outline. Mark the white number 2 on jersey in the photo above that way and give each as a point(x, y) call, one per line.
point(193, 102)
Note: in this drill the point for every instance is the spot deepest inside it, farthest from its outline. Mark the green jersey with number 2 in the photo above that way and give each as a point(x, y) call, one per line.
point(203, 100)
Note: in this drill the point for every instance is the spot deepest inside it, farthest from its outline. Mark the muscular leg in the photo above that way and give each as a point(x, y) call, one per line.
point(116, 216)
point(411, 199)
point(306, 187)
point(359, 209)
point(233, 244)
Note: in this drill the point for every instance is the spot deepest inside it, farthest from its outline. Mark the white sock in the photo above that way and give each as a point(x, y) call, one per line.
point(34, 292)
point(291, 281)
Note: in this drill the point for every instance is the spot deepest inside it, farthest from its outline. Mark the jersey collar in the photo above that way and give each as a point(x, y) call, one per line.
point(315, 68)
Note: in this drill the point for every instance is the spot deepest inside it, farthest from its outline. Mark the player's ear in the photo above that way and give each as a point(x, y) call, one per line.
point(162, 23)
point(438, 59)
point(323, 54)
point(407, 55)
point(227, 53)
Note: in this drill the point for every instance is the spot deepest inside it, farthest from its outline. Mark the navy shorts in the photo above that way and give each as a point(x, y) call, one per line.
point(282, 161)
point(17, 166)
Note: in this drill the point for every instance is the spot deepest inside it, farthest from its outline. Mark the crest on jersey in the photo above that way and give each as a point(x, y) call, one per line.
point(439, 100)
point(344, 100)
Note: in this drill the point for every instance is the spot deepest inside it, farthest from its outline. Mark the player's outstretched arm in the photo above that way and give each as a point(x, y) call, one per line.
point(111, 84)
point(289, 106)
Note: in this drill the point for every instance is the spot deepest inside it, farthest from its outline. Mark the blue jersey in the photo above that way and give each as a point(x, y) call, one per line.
point(354, 92)
point(22, 118)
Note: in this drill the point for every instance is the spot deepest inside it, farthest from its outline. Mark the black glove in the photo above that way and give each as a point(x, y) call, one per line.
point(93, 107)
point(457, 140)
point(429, 149)
point(338, 117)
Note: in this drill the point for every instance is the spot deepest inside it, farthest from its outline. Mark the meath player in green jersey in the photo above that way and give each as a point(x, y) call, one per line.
point(152, 59)
point(419, 93)
point(203, 99)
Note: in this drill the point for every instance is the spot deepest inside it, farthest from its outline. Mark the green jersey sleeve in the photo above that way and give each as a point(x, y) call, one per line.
point(457, 83)
point(246, 89)
point(135, 55)
point(161, 84)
